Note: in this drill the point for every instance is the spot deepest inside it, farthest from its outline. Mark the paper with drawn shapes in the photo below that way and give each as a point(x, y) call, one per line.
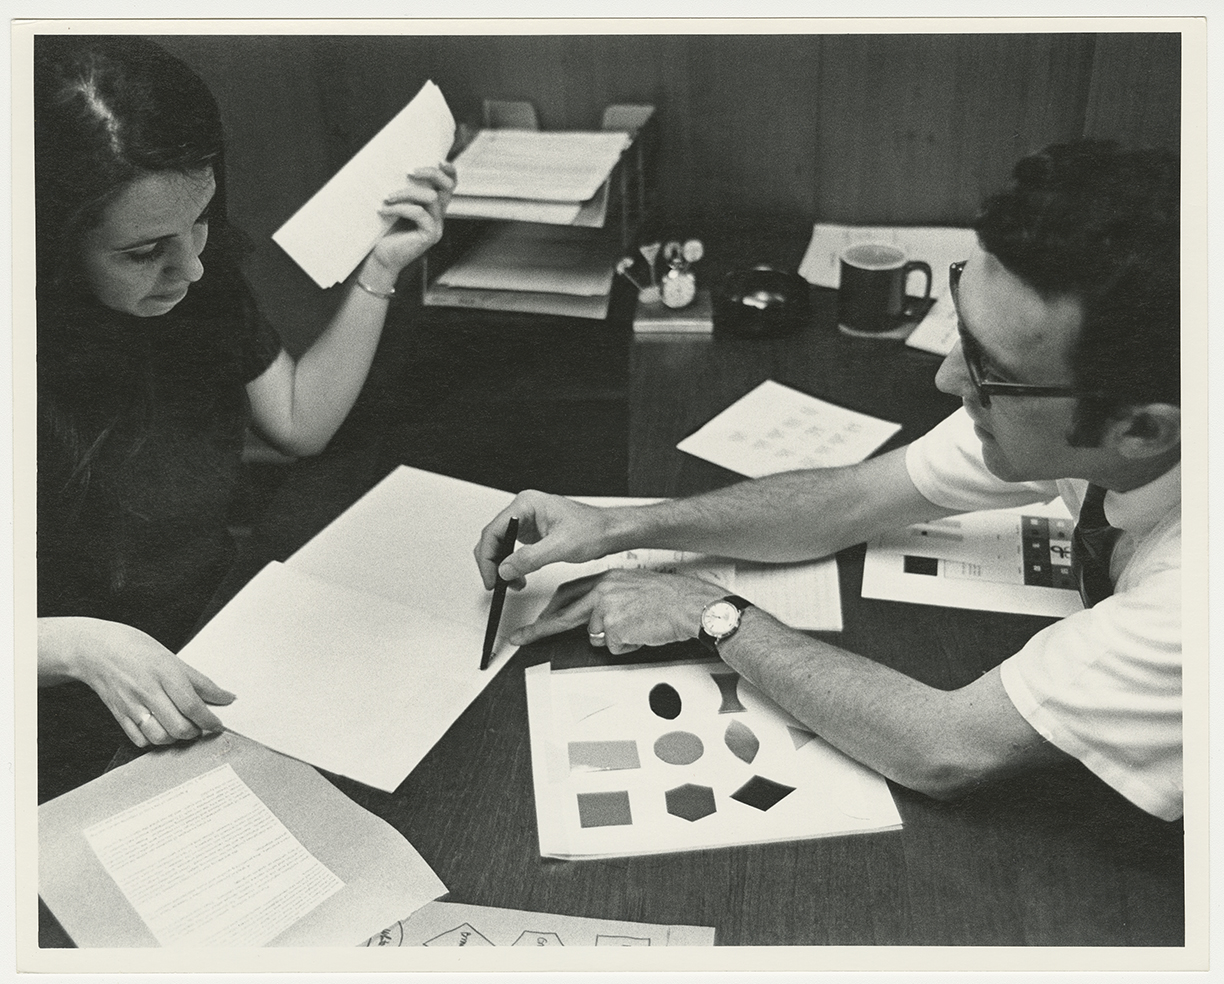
point(719, 764)
point(775, 428)
point(455, 924)
point(332, 233)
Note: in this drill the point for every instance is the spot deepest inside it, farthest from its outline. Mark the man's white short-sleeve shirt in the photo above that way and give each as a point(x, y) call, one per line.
point(1105, 683)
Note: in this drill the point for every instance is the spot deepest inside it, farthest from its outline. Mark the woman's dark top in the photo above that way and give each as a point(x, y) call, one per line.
point(140, 433)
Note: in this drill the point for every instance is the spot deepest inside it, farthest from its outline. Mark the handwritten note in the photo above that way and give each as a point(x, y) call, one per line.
point(208, 864)
point(775, 428)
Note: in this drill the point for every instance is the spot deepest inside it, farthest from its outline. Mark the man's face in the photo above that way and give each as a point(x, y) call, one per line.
point(1023, 339)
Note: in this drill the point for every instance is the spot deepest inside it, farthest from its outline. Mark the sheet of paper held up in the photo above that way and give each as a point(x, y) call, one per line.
point(654, 758)
point(567, 166)
point(454, 924)
point(775, 428)
point(1002, 560)
point(208, 864)
point(222, 842)
point(939, 246)
point(332, 233)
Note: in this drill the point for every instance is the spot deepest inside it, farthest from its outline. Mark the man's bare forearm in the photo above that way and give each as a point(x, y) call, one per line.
point(791, 516)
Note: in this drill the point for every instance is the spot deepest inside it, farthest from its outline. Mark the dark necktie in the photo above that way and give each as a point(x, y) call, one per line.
point(1091, 545)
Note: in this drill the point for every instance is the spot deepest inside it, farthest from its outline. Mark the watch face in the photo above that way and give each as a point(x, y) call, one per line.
point(679, 288)
point(719, 618)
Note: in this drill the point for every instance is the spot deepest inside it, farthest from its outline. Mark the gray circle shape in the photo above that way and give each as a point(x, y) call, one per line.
point(679, 748)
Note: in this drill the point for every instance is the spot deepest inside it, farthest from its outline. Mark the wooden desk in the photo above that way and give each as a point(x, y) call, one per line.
point(1053, 858)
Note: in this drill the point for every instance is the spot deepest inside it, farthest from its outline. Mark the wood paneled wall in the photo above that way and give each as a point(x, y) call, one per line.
point(760, 130)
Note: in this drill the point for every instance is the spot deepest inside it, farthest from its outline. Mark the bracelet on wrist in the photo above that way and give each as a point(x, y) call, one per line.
point(383, 295)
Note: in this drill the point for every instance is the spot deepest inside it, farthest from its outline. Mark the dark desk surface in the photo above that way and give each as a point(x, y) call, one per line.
point(1052, 858)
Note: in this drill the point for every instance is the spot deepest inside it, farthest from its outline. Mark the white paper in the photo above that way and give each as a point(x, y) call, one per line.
point(804, 595)
point(937, 331)
point(775, 428)
point(208, 864)
point(537, 165)
point(455, 924)
point(345, 680)
point(588, 214)
point(533, 257)
point(332, 233)
point(1003, 560)
point(410, 540)
point(829, 793)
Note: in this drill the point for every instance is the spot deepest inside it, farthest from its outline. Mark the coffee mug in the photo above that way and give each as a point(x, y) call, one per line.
point(872, 294)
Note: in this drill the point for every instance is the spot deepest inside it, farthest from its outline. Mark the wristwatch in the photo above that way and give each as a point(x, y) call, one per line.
point(720, 619)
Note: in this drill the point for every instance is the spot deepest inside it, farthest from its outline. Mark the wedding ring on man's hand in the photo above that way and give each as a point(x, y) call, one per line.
point(597, 638)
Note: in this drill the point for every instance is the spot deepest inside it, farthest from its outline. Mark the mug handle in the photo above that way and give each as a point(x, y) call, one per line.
point(925, 270)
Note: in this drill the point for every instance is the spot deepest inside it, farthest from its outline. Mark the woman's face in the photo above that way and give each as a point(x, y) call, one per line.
point(145, 253)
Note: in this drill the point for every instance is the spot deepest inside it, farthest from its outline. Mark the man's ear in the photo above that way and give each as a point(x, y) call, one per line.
point(1146, 430)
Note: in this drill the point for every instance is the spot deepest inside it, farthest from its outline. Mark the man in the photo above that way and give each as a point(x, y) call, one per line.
point(1068, 369)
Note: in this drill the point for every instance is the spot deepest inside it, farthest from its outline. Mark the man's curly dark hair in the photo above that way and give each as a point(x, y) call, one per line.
point(1100, 224)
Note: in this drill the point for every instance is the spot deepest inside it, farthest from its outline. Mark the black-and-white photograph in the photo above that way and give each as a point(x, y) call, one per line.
point(679, 484)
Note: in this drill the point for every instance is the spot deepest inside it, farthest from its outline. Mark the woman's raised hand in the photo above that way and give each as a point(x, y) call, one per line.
point(419, 208)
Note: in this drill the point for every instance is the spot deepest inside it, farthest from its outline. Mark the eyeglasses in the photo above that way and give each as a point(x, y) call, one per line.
point(986, 388)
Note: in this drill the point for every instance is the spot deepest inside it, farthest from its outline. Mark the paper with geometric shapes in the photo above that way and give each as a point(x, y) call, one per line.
point(455, 924)
point(775, 428)
point(1000, 560)
point(718, 764)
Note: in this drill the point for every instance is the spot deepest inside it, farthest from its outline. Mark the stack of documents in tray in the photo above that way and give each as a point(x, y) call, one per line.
point(549, 253)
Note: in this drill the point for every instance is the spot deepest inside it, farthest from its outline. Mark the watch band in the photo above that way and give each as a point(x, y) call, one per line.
point(711, 642)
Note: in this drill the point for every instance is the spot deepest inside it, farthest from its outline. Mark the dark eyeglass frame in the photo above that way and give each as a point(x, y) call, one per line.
point(986, 388)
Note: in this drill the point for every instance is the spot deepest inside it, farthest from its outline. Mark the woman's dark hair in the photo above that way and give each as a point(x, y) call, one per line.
point(1091, 221)
point(108, 110)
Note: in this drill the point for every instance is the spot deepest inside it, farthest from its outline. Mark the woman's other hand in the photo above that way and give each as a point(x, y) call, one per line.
point(156, 697)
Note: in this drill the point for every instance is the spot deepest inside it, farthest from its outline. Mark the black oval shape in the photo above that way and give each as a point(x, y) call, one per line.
point(664, 701)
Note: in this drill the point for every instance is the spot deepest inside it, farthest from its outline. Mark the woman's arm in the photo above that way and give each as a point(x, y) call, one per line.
point(154, 695)
point(297, 405)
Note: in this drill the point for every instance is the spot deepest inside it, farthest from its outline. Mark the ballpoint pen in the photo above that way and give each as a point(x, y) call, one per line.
point(504, 549)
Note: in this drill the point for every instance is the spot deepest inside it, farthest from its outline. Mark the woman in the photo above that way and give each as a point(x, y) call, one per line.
point(152, 360)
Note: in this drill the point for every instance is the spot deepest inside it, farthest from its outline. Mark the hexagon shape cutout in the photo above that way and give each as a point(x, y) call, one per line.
point(690, 802)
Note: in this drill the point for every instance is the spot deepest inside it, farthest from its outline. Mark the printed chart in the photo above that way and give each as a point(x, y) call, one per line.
point(1005, 560)
point(654, 758)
